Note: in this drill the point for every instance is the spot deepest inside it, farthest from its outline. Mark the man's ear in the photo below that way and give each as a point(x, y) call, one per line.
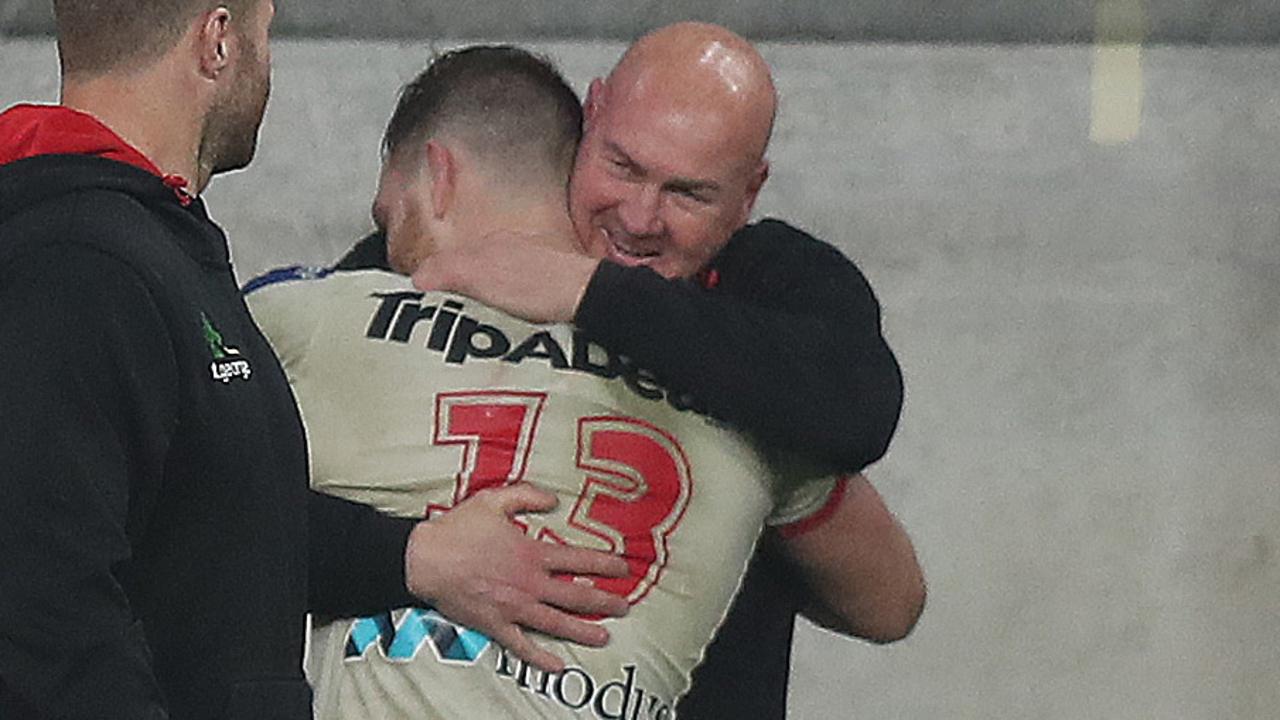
point(594, 102)
point(758, 177)
point(380, 208)
point(443, 168)
point(213, 42)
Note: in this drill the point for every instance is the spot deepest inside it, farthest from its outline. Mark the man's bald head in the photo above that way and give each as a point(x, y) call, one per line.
point(704, 69)
point(672, 156)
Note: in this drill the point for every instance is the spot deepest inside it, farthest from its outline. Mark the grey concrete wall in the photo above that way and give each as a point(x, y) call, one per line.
point(949, 21)
point(1088, 459)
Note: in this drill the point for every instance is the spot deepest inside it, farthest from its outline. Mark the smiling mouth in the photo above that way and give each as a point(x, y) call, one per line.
point(626, 251)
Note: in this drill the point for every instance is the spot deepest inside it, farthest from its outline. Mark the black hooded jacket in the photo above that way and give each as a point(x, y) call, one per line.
point(154, 504)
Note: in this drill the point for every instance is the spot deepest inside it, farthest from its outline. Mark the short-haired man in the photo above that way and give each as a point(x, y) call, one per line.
point(156, 513)
point(417, 401)
point(779, 335)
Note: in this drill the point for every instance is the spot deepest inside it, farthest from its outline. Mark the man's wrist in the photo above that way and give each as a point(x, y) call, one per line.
point(417, 577)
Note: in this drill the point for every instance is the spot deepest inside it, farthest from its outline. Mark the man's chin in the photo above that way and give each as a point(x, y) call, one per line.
point(235, 158)
point(232, 165)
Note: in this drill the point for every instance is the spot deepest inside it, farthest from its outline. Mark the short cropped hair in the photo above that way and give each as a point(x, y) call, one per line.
point(507, 105)
point(100, 35)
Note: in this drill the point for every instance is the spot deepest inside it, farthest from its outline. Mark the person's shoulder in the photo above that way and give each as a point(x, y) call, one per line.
point(293, 305)
point(286, 274)
point(778, 239)
point(776, 230)
point(110, 221)
point(84, 241)
point(309, 279)
point(368, 255)
point(74, 285)
point(777, 252)
point(296, 291)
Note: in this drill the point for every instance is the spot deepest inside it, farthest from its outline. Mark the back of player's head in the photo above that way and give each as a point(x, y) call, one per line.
point(512, 109)
point(96, 36)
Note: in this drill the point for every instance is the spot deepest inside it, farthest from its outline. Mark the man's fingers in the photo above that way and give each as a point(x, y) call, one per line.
point(519, 645)
point(523, 497)
point(583, 598)
point(548, 620)
point(564, 559)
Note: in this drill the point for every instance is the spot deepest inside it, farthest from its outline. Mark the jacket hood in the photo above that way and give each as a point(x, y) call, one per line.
point(50, 151)
point(32, 130)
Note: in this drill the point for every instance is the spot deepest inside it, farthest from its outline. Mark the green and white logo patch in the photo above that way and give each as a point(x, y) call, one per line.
point(227, 363)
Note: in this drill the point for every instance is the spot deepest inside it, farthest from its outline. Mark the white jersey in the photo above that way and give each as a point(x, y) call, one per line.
point(414, 402)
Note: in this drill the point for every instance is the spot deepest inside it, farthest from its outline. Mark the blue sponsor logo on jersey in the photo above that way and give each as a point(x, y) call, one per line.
point(401, 642)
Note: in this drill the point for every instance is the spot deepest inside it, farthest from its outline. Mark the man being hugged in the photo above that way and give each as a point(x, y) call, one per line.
point(416, 401)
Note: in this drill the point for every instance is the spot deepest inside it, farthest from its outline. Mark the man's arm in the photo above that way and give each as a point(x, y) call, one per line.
point(86, 404)
point(861, 569)
point(787, 346)
point(355, 558)
point(472, 564)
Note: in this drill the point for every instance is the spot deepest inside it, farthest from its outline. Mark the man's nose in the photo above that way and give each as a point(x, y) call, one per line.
point(640, 211)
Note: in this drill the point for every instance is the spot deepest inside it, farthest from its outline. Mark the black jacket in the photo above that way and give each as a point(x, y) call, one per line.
point(787, 346)
point(153, 470)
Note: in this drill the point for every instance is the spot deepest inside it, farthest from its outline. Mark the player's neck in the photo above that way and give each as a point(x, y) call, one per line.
point(543, 217)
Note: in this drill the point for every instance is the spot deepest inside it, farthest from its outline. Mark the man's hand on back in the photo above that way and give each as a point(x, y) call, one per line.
point(479, 569)
point(532, 277)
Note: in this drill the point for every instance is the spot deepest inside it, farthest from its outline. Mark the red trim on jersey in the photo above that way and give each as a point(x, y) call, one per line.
point(824, 513)
point(28, 130)
point(709, 278)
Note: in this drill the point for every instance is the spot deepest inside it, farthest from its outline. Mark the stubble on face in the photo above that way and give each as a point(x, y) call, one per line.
point(230, 139)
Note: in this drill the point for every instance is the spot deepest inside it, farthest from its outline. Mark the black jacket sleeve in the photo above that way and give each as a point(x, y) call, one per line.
point(787, 346)
point(369, 252)
point(356, 558)
point(87, 388)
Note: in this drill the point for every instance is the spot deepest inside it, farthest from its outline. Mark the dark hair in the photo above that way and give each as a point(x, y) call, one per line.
point(506, 104)
point(100, 35)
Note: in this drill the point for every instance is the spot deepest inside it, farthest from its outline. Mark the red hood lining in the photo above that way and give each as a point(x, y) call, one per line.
point(28, 131)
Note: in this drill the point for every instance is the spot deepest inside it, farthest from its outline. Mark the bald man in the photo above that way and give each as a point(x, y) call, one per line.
point(420, 400)
point(764, 326)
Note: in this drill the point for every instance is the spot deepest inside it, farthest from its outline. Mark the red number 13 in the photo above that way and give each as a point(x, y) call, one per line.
point(638, 478)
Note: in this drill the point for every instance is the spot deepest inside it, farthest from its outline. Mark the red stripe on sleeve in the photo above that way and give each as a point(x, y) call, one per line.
point(824, 513)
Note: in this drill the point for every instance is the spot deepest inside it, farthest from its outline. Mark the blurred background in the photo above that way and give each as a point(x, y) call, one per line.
point(1069, 212)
